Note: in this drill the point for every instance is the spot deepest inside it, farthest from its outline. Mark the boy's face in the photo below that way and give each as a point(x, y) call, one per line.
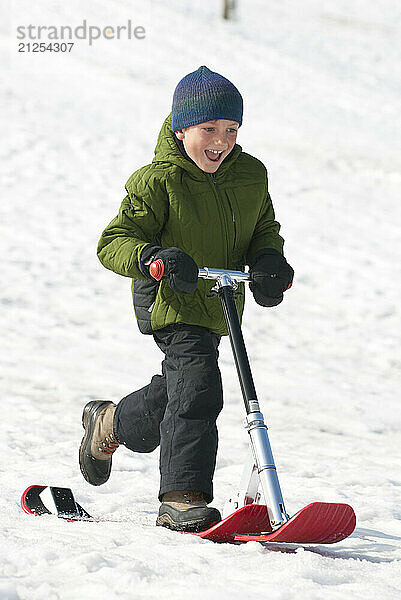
point(209, 143)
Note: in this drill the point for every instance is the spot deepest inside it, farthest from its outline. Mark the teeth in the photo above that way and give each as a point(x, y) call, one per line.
point(216, 151)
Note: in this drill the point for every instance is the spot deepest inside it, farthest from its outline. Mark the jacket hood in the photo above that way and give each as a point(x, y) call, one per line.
point(167, 151)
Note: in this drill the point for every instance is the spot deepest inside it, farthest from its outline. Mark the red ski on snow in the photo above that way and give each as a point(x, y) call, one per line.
point(316, 523)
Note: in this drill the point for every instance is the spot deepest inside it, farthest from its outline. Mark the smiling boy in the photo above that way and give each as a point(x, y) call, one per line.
point(208, 144)
point(201, 202)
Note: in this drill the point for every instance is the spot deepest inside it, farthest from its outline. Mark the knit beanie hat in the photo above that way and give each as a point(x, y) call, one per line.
point(204, 96)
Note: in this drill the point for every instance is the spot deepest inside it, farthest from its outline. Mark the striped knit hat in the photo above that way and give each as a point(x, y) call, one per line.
point(204, 96)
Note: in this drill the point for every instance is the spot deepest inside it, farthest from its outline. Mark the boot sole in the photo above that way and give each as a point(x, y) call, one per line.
point(88, 420)
point(187, 526)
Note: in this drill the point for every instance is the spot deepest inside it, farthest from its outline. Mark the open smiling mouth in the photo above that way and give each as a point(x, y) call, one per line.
point(214, 155)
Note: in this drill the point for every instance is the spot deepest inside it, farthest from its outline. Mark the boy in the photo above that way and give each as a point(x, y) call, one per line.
point(201, 202)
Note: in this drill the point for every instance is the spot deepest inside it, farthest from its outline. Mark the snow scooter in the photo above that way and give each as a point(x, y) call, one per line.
point(244, 518)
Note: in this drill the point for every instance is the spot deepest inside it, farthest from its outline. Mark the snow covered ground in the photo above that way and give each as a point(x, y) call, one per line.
point(322, 96)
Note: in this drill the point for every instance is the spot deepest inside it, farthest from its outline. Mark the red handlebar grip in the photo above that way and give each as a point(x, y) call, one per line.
point(156, 269)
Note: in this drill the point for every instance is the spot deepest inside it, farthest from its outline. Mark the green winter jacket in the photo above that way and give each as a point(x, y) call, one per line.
point(221, 220)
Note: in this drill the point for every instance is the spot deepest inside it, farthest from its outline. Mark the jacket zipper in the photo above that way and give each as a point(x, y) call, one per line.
point(235, 226)
point(213, 178)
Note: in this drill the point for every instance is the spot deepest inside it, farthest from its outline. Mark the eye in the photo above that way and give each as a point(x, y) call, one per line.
point(208, 129)
point(232, 130)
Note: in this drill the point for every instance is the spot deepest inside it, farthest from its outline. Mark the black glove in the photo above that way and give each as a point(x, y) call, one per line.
point(180, 268)
point(271, 275)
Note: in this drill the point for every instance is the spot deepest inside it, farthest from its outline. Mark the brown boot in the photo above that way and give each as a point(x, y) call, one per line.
point(186, 511)
point(99, 442)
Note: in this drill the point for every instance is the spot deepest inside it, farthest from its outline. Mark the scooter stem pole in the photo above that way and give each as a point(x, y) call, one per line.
point(239, 351)
point(255, 423)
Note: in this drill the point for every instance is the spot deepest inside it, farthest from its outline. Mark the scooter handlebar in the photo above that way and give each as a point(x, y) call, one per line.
point(156, 270)
point(210, 273)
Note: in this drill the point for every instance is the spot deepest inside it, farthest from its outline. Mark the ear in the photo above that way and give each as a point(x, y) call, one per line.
point(180, 134)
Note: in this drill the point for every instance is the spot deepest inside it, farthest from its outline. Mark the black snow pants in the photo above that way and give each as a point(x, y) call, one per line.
point(178, 410)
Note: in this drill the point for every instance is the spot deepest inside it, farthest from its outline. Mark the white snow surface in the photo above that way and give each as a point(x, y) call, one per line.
point(321, 86)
